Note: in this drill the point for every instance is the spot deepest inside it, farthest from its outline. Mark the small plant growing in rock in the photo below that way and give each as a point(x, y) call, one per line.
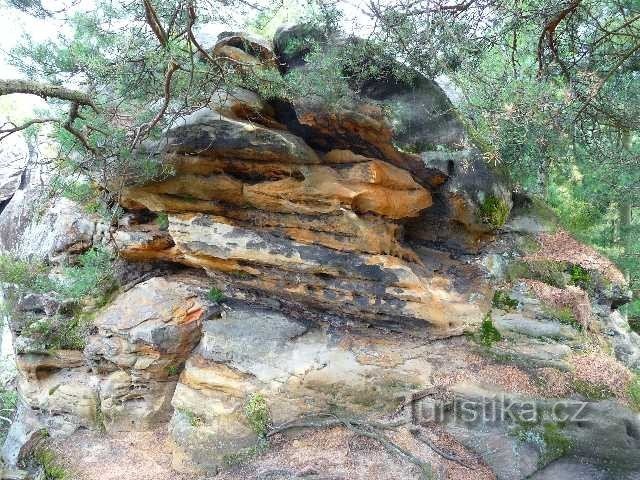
point(8, 403)
point(162, 220)
point(503, 301)
point(100, 420)
point(215, 295)
point(488, 334)
point(548, 437)
point(493, 211)
point(172, 369)
point(194, 420)
point(257, 413)
point(579, 276)
point(556, 443)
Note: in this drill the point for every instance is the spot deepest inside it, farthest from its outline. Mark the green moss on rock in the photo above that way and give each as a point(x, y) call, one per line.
point(591, 391)
point(488, 334)
point(257, 413)
point(493, 211)
point(563, 315)
point(547, 271)
point(503, 301)
point(633, 391)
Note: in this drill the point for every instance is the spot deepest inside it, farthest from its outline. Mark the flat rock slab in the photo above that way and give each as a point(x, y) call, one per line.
point(517, 323)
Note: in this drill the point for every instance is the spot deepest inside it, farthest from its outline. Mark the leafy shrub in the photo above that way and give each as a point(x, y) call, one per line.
point(28, 275)
point(57, 333)
point(93, 276)
point(503, 301)
point(488, 334)
point(493, 211)
point(257, 414)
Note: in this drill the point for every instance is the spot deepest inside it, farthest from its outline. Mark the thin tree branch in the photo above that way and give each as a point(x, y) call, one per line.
point(171, 69)
point(68, 126)
point(5, 132)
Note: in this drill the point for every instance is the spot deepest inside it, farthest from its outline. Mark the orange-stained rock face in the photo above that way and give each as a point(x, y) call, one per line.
point(141, 343)
point(259, 210)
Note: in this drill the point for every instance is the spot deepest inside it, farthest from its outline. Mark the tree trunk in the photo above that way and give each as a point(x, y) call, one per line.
point(45, 91)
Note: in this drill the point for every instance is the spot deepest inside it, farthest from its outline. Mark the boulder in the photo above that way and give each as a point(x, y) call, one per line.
point(295, 367)
point(57, 383)
point(518, 435)
point(382, 289)
point(24, 436)
point(408, 121)
point(63, 228)
point(143, 339)
point(248, 43)
point(208, 132)
point(241, 104)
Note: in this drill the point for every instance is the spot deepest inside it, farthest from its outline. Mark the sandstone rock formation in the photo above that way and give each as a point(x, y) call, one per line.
point(298, 260)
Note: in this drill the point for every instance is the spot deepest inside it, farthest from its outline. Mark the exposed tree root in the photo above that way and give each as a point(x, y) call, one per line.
point(373, 430)
point(417, 434)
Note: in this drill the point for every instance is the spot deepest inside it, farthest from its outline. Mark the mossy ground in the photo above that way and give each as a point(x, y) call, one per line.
point(547, 271)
